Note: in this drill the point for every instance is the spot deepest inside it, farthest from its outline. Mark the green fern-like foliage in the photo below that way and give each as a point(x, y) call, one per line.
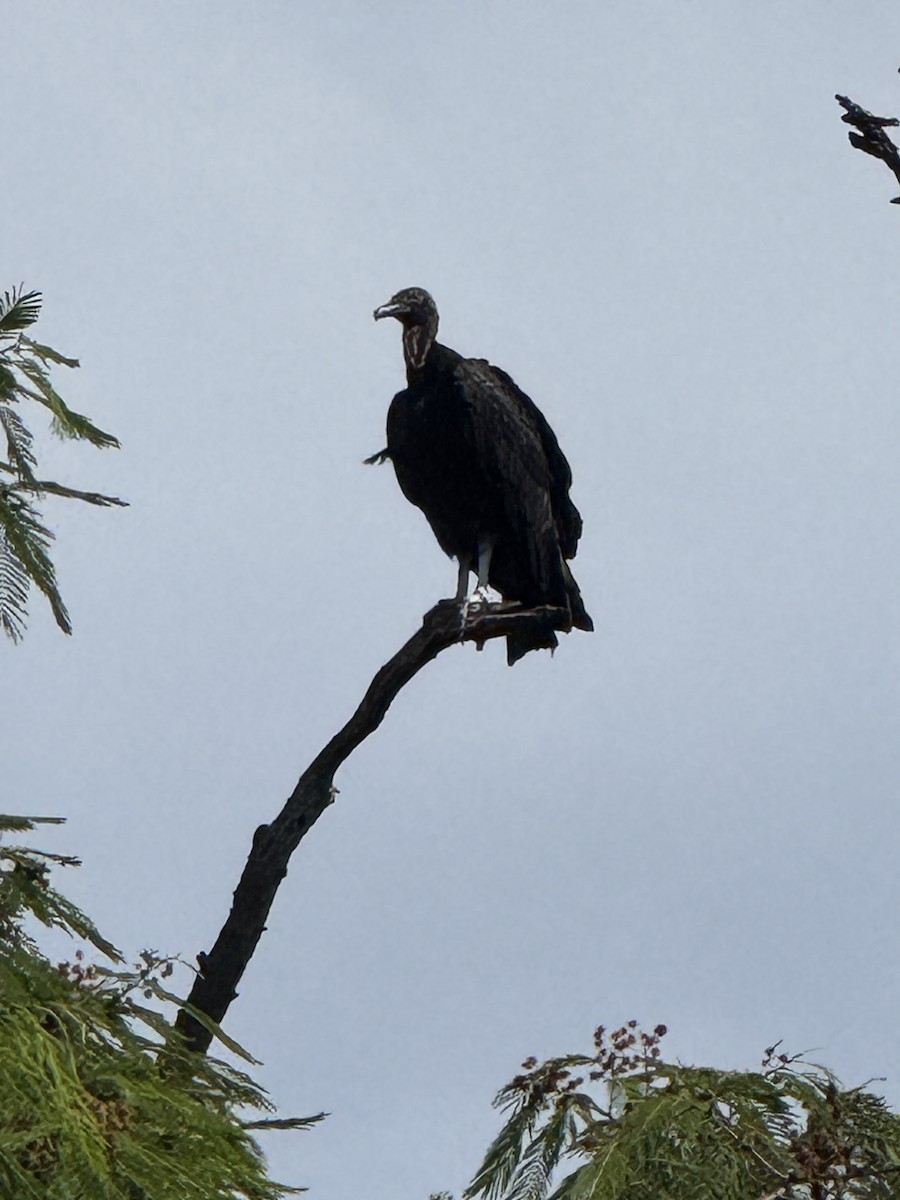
point(25, 541)
point(636, 1128)
point(98, 1098)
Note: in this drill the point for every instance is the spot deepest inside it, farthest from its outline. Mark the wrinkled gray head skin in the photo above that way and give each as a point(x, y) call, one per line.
point(417, 313)
point(411, 306)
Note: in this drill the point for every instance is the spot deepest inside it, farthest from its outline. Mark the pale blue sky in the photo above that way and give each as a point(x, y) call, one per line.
point(648, 214)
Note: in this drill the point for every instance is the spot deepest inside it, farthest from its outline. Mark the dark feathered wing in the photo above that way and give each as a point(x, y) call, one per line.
point(526, 481)
point(566, 515)
point(515, 486)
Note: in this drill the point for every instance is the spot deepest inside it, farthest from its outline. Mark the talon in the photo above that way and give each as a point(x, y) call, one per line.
point(473, 603)
point(463, 617)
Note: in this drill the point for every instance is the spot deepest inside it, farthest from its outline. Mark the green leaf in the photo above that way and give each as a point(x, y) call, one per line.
point(9, 385)
point(48, 354)
point(67, 423)
point(94, 1104)
point(286, 1122)
point(203, 1019)
point(28, 879)
point(14, 585)
point(18, 824)
point(18, 443)
point(24, 538)
point(503, 1156)
point(47, 486)
point(18, 310)
point(680, 1133)
point(27, 541)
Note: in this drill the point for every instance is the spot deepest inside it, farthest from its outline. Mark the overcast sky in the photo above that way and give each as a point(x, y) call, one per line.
point(649, 214)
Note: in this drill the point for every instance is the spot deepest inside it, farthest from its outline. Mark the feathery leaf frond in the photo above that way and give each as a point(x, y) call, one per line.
point(18, 443)
point(207, 1022)
point(504, 1155)
point(790, 1130)
point(98, 1095)
point(48, 487)
point(28, 888)
point(24, 539)
point(66, 422)
point(48, 354)
point(18, 310)
point(27, 541)
point(17, 824)
point(9, 385)
point(286, 1122)
point(14, 585)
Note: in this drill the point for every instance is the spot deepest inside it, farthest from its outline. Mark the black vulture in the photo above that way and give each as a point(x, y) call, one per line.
point(477, 456)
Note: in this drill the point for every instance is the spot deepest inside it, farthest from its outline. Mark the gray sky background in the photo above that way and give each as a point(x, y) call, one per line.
point(650, 215)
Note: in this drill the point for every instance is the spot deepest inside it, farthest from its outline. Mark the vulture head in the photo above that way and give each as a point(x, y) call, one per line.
point(418, 314)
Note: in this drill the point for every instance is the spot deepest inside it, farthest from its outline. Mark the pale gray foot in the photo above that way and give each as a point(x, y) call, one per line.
point(478, 598)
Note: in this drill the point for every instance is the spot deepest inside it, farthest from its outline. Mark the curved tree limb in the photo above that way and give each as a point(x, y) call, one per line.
point(871, 138)
point(273, 844)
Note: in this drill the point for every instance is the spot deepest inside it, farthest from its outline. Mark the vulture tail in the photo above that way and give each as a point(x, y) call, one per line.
point(519, 644)
point(580, 618)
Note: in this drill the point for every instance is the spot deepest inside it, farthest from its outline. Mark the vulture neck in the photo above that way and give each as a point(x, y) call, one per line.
point(417, 343)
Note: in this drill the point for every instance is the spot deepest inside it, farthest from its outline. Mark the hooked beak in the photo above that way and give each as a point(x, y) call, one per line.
point(389, 310)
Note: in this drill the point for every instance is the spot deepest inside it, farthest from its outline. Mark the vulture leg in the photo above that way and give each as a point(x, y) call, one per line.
point(485, 550)
point(478, 598)
point(462, 579)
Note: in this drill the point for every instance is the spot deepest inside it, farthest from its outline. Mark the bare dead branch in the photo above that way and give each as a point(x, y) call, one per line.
point(273, 845)
point(871, 138)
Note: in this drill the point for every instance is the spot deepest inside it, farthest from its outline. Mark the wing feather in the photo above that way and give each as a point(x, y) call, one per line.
point(566, 515)
point(516, 485)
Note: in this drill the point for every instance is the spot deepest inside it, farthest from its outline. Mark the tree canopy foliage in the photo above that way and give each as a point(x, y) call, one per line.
point(98, 1096)
point(24, 537)
point(638, 1128)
